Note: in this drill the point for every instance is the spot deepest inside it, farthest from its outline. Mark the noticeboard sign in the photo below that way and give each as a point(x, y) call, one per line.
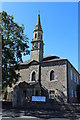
point(38, 98)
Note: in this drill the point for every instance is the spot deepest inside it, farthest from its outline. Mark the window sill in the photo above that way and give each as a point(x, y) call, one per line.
point(53, 81)
point(32, 81)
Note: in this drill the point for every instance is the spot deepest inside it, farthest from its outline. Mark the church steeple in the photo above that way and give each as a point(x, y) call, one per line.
point(38, 24)
point(37, 42)
point(38, 20)
point(38, 32)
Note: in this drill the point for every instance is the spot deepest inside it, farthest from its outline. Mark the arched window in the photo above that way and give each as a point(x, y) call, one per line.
point(52, 75)
point(33, 76)
point(36, 35)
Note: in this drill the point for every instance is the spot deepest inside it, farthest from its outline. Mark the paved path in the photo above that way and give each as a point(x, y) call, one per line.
point(30, 118)
point(38, 115)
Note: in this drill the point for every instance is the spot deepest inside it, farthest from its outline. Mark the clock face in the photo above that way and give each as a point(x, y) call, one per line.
point(35, 45)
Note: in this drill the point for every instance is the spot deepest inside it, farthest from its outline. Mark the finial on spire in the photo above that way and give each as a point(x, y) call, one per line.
point(39, 12)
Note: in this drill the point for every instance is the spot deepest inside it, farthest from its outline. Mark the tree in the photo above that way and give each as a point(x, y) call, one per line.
point(14, 44)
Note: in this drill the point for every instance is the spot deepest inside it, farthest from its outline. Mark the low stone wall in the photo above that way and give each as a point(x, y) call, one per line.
point(44, 106)
point(6, 104)
point(51, 106)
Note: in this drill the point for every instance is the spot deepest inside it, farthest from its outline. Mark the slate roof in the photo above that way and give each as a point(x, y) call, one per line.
point(52, 58)
point(26, 62)
point(45, 59)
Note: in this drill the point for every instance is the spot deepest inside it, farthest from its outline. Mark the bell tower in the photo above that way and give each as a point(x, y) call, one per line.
point(37, 42)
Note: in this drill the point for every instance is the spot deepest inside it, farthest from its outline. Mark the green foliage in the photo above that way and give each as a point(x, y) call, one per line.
point(14, 44)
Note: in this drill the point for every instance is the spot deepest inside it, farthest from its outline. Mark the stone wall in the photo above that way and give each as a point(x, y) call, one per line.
point(35, 55)
point(72, 83)
point(27, 72)
point(59, 84)
point(23, 93)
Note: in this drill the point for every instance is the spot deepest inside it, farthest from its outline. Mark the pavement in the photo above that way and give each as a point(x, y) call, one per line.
point(14, 114)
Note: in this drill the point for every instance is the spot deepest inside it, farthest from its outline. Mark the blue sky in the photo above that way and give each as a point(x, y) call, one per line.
point(59, 22)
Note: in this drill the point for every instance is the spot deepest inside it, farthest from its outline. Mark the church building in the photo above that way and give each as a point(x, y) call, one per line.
point(51, 77)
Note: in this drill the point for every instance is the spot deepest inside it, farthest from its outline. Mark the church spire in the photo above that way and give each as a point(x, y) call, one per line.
point(37, 42)
point(38, 20)
point(38, 24)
